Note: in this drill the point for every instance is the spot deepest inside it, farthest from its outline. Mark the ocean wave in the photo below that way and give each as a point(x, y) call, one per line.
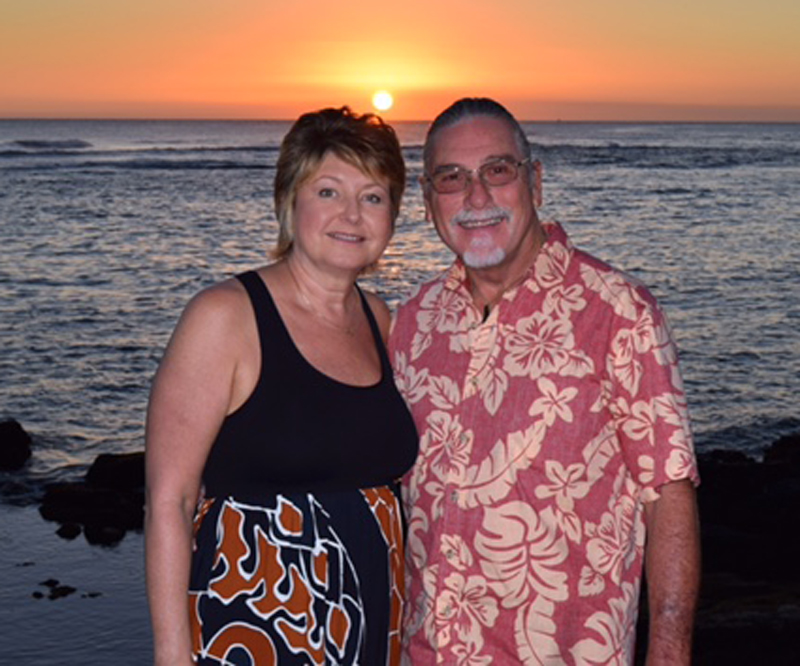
point(61, 155)
point(665, 157)
point(148, 164)
point(51, 144)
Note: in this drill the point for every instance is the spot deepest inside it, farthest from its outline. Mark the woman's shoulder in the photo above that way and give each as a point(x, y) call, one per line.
point(219, 309)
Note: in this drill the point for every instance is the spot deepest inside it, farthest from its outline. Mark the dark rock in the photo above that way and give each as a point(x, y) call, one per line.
point(725, 456)
point(749, 611)
point(103, 535)
point(61, 591)
point(785, 450)
point(119, 471)
point(69, 531)
point(105, 506)
point(15, 445)
point(90, 506)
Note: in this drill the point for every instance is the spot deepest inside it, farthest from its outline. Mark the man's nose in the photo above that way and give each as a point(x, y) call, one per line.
point(478, 194)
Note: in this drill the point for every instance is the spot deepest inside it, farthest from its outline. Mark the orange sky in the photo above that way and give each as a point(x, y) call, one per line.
point(575, 60)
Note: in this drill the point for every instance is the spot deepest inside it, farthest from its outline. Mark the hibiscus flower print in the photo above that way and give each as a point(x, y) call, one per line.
point(610, 543)
point(464, 605)
point(538, 346)
point(446, 446)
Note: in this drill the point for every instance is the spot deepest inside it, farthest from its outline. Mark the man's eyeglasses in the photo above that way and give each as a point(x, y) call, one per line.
point(452, 179)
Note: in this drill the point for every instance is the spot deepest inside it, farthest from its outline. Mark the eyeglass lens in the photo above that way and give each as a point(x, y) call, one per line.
point(456, 179)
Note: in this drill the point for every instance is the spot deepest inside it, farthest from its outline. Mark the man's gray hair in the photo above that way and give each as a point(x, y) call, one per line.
point(468, 108)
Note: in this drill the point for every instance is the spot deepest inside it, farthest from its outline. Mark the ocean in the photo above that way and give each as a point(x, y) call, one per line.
point(107, 228)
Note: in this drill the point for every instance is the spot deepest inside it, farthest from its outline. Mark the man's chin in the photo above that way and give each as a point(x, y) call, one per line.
point(483, 258)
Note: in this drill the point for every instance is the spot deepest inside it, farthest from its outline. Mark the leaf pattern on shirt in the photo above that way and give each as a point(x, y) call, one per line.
point(615, 631)
point(521, 550)
point(551, 267)
point(637, 420)
point(457, 551)
point(444, 392)
point(681, 460)
point(534, 634)
point(494, 385)
point(599, 452)
point(625, 366)
point(491, 479)
point(614, 288)
point(411, 383)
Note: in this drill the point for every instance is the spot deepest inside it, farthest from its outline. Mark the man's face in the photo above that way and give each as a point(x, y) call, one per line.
point(486, 226)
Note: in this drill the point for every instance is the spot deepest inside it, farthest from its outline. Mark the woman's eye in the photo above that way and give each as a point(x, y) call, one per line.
point(374, 198)
point(327, 192)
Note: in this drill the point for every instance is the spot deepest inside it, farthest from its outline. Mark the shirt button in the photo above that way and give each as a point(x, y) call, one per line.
point(454, 496)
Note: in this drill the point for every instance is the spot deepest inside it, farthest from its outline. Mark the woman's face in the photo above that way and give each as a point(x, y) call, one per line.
point(342, 216)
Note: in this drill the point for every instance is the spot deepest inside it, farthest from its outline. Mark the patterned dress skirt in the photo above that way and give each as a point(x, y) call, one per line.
point(300, 578)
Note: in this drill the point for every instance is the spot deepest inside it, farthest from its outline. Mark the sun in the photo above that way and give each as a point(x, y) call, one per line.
point(382, 100)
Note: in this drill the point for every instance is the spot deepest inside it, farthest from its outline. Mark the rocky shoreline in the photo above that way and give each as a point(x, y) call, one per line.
point(749, 610)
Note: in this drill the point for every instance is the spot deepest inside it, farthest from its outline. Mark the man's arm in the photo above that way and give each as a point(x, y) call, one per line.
point(672, 564)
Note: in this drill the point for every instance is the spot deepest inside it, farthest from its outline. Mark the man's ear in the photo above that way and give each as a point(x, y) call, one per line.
point(536, 183)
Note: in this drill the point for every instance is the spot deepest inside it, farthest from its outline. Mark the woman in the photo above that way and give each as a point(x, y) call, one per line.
point(275, 396)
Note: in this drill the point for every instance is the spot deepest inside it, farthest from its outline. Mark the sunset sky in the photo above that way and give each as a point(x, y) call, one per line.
point(273, 59)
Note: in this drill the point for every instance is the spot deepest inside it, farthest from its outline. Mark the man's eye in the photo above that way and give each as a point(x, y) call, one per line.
point(449, 176)
point(498, 169)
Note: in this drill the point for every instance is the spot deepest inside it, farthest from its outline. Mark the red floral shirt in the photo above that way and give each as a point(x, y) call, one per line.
point(543, 431)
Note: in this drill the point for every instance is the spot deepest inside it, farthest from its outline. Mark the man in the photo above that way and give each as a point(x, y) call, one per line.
point(555, 455)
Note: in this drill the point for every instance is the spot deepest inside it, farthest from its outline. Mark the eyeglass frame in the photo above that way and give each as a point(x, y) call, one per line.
point(471, 173)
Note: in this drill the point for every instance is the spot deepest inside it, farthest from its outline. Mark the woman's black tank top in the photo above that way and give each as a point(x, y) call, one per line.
point(301, 430)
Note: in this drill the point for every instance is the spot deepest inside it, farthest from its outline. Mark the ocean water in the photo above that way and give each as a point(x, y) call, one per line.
point(107, 228)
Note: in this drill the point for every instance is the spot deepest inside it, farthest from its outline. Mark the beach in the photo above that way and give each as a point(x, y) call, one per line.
point(108, 228)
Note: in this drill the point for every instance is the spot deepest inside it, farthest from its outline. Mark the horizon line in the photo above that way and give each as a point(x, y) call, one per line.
point(599, 121)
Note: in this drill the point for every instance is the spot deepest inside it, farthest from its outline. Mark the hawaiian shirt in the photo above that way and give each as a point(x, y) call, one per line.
point(544, 429)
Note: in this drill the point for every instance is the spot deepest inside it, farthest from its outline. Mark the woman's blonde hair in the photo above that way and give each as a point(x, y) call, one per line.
point(363, 141)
